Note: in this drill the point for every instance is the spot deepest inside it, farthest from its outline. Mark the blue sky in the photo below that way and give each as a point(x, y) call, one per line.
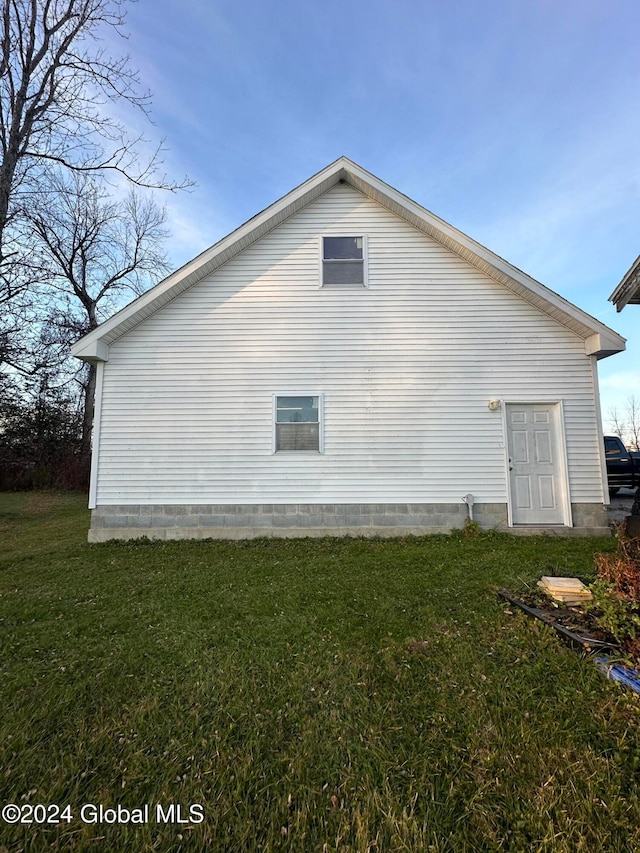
point(517, 121)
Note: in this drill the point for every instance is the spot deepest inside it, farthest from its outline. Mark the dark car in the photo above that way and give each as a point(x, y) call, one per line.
point(623, 466)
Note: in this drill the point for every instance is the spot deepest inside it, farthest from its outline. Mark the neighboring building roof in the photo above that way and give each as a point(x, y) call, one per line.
point(628, 291)
point(599, 339)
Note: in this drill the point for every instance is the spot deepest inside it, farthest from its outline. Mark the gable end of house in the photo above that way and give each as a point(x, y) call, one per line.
point(599, 339)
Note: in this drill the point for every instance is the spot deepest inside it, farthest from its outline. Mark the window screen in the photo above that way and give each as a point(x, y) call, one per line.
point(297, 424)
point(342, 261)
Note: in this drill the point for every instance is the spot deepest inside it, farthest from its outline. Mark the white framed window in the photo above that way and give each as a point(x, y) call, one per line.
point(298, 423)
point(343, 261)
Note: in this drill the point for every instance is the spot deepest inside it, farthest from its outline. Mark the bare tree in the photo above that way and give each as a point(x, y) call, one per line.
point(18, 305)
point(627, 425)
point(56, 84)
point(633, 421)
point(95, 250)
point(616, 423)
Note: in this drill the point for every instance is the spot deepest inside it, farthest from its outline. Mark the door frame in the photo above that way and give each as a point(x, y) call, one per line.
point(561, 449)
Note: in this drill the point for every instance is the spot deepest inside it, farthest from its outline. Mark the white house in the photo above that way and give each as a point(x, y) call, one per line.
point(346, 362)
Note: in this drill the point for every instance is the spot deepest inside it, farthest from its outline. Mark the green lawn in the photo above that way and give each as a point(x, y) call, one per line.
point(311, 695)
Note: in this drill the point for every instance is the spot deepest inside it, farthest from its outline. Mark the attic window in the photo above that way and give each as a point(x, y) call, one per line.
point(343, 261)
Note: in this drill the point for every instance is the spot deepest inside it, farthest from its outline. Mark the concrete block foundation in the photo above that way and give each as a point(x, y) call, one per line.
point(239, 521)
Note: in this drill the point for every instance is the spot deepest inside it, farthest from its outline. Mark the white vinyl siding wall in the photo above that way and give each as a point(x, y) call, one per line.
point(406, 368)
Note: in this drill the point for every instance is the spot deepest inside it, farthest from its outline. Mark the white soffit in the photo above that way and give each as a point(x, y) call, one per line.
point(602, 340)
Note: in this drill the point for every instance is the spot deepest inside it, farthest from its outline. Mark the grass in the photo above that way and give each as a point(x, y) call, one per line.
point(311, 695)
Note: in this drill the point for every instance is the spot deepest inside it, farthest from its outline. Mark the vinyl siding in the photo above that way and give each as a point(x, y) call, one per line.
point(406, 368)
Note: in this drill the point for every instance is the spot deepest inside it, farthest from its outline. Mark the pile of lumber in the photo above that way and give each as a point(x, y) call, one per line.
point(569, 591)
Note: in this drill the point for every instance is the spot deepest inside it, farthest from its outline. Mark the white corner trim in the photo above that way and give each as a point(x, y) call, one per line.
point(604, 480)
point(564, 464)
point(95, 436)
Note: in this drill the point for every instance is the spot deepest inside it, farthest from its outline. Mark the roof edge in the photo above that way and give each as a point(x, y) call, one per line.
point(629, 288)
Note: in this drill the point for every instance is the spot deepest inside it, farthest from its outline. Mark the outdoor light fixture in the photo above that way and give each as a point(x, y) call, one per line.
point(494, 405)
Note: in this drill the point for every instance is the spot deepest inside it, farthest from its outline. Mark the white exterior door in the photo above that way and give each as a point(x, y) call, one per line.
point(536, 464)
